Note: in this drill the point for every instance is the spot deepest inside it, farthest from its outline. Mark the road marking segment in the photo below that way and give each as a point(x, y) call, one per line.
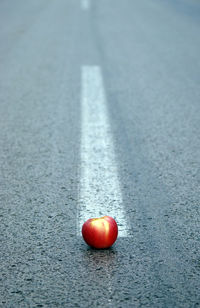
point(85, 5)
point(100, 192)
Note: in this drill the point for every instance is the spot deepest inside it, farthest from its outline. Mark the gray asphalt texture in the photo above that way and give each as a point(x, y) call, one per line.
point(149, 52)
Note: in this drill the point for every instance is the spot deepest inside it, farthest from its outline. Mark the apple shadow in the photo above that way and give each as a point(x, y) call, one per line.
point(108, 257)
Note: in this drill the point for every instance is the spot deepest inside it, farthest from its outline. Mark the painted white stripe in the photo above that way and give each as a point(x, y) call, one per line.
point(100, 192)
point(85, 5)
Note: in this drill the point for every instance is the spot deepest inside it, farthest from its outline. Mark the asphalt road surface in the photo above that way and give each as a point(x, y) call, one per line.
point(100, 111)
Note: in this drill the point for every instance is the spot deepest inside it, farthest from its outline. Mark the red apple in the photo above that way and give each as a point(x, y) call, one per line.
point(100, 232)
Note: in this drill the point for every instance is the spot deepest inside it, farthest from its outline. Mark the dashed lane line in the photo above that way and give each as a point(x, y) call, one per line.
point(85, 5)
point(100, 192)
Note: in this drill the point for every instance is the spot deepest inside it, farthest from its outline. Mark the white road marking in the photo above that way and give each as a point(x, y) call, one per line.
point(100, 192)
point(85, 5)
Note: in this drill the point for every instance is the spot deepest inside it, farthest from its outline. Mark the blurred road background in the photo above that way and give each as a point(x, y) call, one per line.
point(149, 55)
